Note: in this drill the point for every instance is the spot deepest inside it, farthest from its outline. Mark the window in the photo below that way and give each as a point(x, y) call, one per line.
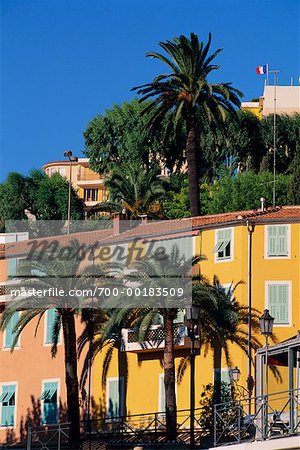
point(91, 195)
point(180, 316)
point(9, 334)
point(50, 318)
point(115, 397)
point(224, 245)
point(62, 171)
point(223, 378)
point(49, 400)
point(166, 246)
point(277, 240)
point(12, 267)
point(278, 295)
point(8, 404)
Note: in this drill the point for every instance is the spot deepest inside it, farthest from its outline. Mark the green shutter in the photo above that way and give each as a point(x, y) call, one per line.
point(226, 376)
point(278, 302)
point(277, 240)
point(282, 249)
point(113, 398)
point(12, 267)
point(9, 334)
point(51, 315)
point(50, 402)
point(8, 405)
point(162, 392)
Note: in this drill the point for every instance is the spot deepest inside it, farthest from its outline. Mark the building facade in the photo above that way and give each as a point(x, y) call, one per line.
point(88, 184)
point(135, 383)
point(32, 386)
point(287, 101)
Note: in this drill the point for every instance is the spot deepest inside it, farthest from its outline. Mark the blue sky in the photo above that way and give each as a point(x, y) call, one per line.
point(63, 62)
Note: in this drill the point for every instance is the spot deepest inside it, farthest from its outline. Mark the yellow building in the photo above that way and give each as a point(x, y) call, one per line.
point(88, 184)
point(287, 101)
point(134, 382)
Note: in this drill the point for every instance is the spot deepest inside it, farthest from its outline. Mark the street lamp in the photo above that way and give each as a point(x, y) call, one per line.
point(266, 322)
point(241, 390)
point(192, 317)
point(236, 374)
point(68, 154)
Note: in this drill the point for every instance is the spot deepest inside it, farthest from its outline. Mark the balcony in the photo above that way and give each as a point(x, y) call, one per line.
point(154, 339)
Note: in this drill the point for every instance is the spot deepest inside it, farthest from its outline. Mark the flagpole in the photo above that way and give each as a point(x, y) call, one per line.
point(267, 74)
point(275, 72)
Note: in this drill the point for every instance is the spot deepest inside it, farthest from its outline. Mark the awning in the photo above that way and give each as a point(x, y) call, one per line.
point(6, 396)
point(220, 246)
point(47, 394)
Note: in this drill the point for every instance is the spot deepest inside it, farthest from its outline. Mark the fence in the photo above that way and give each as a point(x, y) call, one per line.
point(48, 437)
point(273, 415)
point(144, 429)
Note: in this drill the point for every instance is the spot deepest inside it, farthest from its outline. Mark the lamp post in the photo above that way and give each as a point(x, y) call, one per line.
point(236, 374)
point(192, 316)
point(266, 322)
point(241, 390)
point(68, 154)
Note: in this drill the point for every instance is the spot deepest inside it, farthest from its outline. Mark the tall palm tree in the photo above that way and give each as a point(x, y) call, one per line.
point(155, 273)
point(52, 274)
point(134, 188)
point(187, 94)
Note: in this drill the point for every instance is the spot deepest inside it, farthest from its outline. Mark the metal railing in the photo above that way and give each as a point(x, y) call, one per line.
point(273, 415)
point(144, 429)
point(48, 437)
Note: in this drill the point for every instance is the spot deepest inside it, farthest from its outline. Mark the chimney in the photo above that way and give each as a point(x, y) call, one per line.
point(116, 225)
point(263, 204)
point(143, 218)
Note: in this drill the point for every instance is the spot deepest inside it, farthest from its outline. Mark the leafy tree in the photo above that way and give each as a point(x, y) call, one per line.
point(287, 137)
point(135, 188)
point(185, 95)
point(45, 197)
point(294, 186)
point(120, 136)
point(244, 191)
point(51, 199)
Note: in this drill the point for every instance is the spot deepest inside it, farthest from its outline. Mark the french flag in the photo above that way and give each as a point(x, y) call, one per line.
point(261, 70)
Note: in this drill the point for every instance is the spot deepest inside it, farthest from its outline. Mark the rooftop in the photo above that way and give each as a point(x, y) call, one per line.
point(167, 229)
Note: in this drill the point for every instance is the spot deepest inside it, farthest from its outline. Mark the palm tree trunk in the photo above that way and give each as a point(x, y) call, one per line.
point(68, 321)
point(192, 162)
point(169, 379)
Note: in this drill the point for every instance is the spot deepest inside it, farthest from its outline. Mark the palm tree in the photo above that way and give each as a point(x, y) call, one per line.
point(52, 274)
point(223, 322)
point(103, 332)
point(187, 94)
point(136, 189)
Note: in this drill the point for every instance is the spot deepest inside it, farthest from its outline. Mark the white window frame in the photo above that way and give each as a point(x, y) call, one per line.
point(50, 380)
point(10, 383)
point(231, 257)
point(290, 301)
point(288, 256)
point(121, 407)
point(47, 344)
point(18, 344)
